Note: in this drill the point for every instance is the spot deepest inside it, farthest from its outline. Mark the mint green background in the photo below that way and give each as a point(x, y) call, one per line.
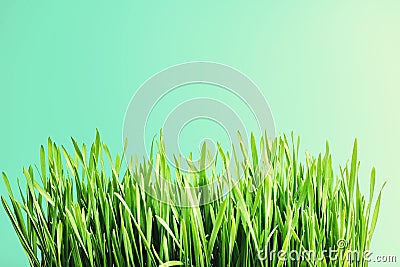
point(328, 70)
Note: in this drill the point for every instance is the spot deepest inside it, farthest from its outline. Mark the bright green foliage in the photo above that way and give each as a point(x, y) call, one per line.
point(88, 209)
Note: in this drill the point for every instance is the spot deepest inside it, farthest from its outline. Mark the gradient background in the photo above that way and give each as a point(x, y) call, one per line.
point(328, 70)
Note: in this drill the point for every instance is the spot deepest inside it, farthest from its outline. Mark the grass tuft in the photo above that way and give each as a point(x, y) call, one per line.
point(88, 209)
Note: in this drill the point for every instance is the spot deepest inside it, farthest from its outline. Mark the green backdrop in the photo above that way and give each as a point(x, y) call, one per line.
point(328, 70)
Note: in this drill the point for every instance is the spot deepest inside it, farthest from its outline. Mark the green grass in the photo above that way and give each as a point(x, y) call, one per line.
point(85, 208)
